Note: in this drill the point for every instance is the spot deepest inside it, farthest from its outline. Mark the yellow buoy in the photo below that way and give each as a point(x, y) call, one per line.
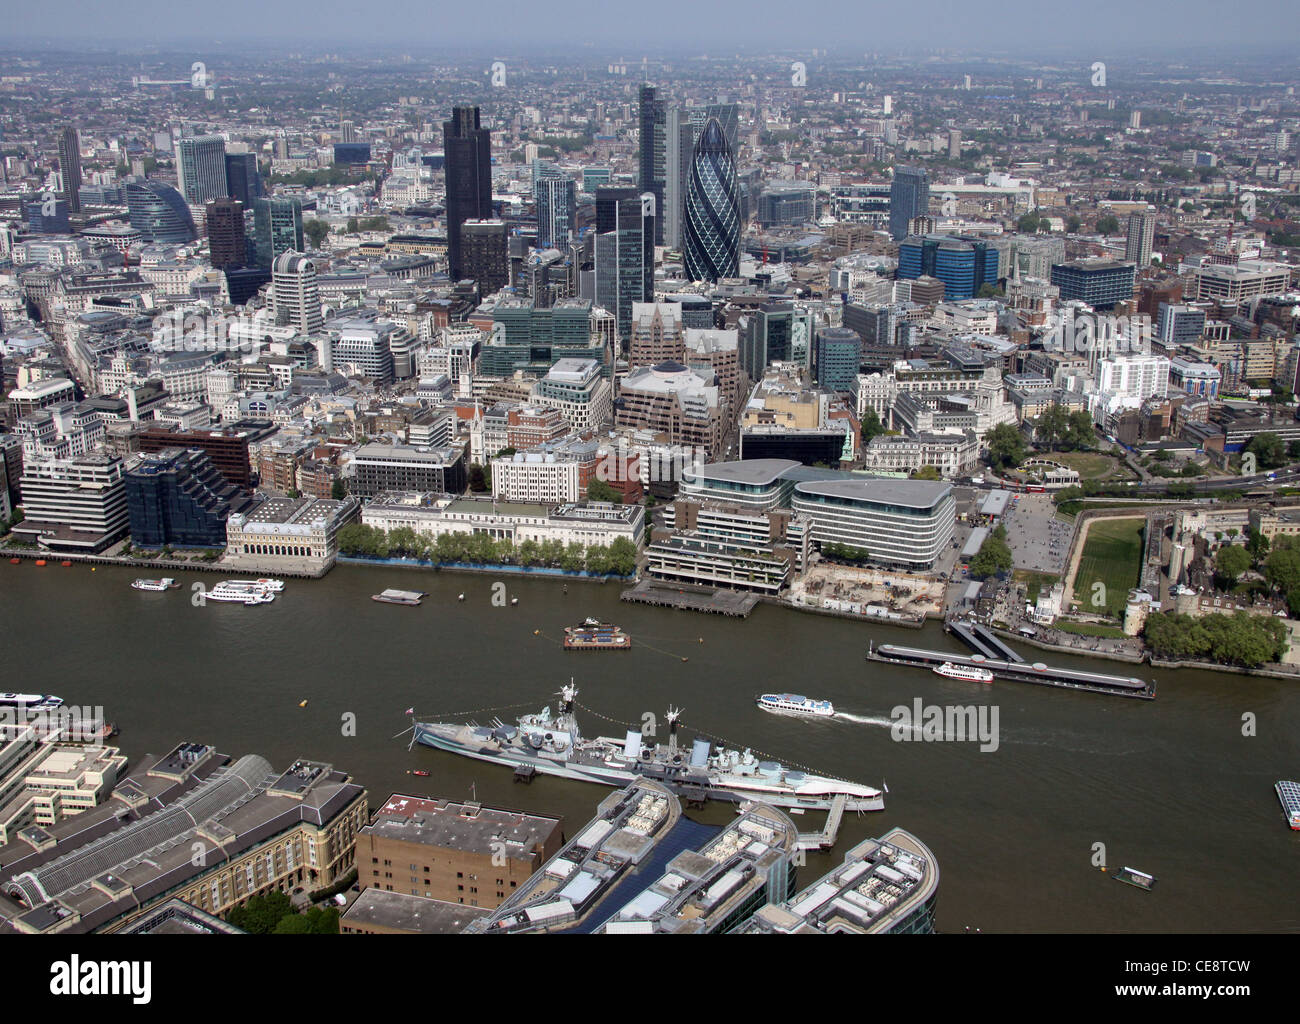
point(537, 632)
point(302, 704)
point(686, 659)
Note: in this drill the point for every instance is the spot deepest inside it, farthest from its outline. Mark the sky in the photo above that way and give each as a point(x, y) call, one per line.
point(687, 26)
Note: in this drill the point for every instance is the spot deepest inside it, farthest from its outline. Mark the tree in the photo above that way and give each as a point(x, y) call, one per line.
point(477, 478)
point(1072, 224)
point(599, 490)
point(926, 473)
point(1028, 224)
point(1107, 225)
point(316, 232)
point(1079, 430)
point(1052, 426)
point(989, 291)
point(261, 914)
point(993, 557)
point(1231, 561)
point(1007, 447)
point(339, 490)
point(353, 226)
point(871, 426)
point(622, 557)
point(1269, 449)
point(1257, 546)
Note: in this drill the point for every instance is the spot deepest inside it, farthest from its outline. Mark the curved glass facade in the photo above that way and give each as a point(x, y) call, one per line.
point(159, 212)
point(712, 231)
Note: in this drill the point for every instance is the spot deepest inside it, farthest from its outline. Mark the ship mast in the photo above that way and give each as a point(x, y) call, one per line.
point(672, 716)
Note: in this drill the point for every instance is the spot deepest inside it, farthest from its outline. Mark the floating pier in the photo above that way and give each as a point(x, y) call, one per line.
point(695, 599)
point(1020, 672)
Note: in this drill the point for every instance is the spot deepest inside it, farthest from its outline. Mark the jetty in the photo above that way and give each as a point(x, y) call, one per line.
point(691, 598)
point(1019, 671)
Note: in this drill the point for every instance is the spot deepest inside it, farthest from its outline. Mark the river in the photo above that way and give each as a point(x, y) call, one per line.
point(1171, 787)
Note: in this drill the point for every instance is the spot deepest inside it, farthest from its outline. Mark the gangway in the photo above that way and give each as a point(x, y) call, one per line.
point(991, 639)
point(825, 839)
point(964, 634)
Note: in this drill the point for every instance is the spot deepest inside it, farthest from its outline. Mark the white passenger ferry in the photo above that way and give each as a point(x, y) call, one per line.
point(239, 592)
point(166, 583)
point(36, 701)
point(273, 586)
point(970, 673)
point(795, 704)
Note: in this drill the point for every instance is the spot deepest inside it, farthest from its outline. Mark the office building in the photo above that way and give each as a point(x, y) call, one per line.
point(909, 197)
point(711, 248)
point(657, 334)
point(715, 544)
point(70, 167)
point(1140, 238)
point(1101, 283)
point(159, 213)
point(227, 448)
point(467, 149)
point(44, 781)
point(963, 265)
point(76, 504)
point(177, 498)
point(624, 254)
point(652, 152)
point(277, 229)
point(201, 168)
point(243, 183)
point(786, 203)
point(679, 143)
point(380, 467)
point(224, 221)
point(379, 912)
point(556, 199)
point(886, 886)
point(682, 403)
point(905, 523)
point(578, 390)
point(837, 353)
point(485, 254)
point(295, 294)
point(48, 216)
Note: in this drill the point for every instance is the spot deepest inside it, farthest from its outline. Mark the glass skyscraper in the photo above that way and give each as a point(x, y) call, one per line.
point(909, 197)
point(467, 150)
point(277, 228)
point(159, 212)
point(201, 163)
point(625, 258)
point(242, 180)
point(711, 234)
point(557, 202)
point(653, 152)
point(70, 167)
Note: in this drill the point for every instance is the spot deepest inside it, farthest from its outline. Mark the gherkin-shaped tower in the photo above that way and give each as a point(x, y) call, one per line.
point(712, 231)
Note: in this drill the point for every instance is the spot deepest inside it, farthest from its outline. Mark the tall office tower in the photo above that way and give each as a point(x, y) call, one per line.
point(653, 152)
point(485, 253)
point(295, 294)
point(201, 169)
point(70, 167)
point(679, 137)
point(467, 150)
point(557, 207)
point(225, 225)
point(711, 237)
point(347, 132)
point(277, 228)
point(1141, 238)
point(954, 144)
point(657, 334)
point(242, 180)
point(909, 197)
point(728, 115)
point(607, 199)
point(159, 212)
point(625, 259)
point(837, 353)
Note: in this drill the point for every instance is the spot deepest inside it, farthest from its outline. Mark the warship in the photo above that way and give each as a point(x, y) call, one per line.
point(553, 744)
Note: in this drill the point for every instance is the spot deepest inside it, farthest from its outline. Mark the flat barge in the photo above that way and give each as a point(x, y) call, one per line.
point(596, 636)
point(1019, 672)
point(406, 597)
point(1136, 878)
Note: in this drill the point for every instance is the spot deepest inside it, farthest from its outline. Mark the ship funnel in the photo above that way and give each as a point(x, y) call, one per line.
point(632, 745)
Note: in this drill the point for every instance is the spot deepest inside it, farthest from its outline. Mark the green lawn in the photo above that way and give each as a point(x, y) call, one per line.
point(1113, 557)
point(1091, 465)
point(1034, 582)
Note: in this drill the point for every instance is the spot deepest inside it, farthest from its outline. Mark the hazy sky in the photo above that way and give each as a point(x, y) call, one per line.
point(693, 26)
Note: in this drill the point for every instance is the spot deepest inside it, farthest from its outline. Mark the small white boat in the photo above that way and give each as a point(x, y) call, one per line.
point(970, 673)
point(795, 704)
point(30, 700)
point(166, 583)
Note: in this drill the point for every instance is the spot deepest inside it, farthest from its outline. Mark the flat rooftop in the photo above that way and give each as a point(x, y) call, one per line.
point(401, 912)
point(918, 494)
point(468, 827)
